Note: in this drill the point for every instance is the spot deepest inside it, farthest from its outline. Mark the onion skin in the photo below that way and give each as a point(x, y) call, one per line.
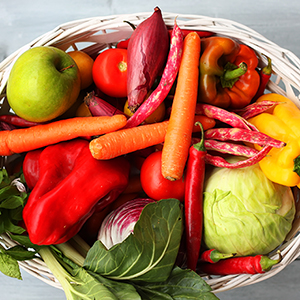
point(120, 223)
point(147, 53)
point(168, 77)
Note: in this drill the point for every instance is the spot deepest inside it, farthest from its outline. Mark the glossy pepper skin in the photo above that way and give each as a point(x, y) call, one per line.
point(213, 255)
point(281, 122)
point(258, 264)
point(70, 187)
point(193, 201)
point(218, 55)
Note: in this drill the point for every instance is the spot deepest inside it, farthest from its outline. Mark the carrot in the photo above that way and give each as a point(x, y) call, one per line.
point(128, 140)
point(26, 139)
point(179, 132)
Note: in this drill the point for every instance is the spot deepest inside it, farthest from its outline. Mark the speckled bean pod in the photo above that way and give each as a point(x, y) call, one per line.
point(230, 148)
point(224, 116)
point(255, 109)
point(166, 82)
point(243, 135)
point(222, 163)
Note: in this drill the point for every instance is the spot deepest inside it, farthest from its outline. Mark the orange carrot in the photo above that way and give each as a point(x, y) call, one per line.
point(26, 139)
point(179, 132)
point(128, 140)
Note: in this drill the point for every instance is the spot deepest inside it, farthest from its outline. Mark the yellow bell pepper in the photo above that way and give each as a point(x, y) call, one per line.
point(282, 122)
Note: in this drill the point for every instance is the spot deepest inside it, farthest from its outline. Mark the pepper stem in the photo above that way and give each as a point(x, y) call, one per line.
point(267, 70)
point(215, 255)
point(130, 24)
point(267, 263)
point(235, 73)
point(232, 73)
point(200, 146)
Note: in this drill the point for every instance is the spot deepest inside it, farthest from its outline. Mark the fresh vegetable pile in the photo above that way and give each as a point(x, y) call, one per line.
point(173, 163)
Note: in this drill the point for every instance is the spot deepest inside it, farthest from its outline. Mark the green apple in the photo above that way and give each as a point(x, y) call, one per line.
point(44, 83)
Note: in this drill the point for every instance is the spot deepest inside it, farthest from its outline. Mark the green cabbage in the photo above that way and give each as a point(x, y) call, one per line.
point(245, 212)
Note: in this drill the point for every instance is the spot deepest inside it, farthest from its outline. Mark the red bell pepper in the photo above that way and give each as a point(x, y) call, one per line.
point(69, 186)
point(31, 168)
point(228, 76)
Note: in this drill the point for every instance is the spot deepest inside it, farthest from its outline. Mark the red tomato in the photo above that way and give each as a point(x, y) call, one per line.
point(155, 185)
point(110, 72)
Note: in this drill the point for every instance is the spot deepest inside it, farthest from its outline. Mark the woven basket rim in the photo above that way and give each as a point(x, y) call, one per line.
point(98, 33)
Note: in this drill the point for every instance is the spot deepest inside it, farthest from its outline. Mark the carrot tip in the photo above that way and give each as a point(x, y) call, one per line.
point(171, 178)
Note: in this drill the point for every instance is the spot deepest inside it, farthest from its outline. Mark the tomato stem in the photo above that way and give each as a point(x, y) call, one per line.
point(122, 66)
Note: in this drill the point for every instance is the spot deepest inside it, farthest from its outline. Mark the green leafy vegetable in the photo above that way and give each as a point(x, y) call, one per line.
point(25, 241)
point(297, 165)
point(20, 253)
point(143, 264)
point(181, 285)
point(79, 283)
point(8, 265)
point(12, 201)
point(245, 212)
point(149, 253)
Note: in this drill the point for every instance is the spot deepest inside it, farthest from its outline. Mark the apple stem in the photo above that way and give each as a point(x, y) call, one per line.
point(66, 68)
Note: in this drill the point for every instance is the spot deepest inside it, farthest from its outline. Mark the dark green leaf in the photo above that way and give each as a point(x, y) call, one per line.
point(25, 241)
point(7, 224)
point(297, 165)
point(121, 290)
point(9, 266)
point(16, 214)
point(88, 287)
point(4, 178)
point(20, 253)
point(12, 202)
point(181, 285)
point(147, 255)
point(80, 284)
point(149, 294)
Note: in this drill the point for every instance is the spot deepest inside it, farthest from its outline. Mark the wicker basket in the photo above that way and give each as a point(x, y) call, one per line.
point(95, 34)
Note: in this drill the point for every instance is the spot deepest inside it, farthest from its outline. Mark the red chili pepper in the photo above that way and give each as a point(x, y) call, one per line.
point(257, 264)
point(17, 121)
point(5, 126)
point(123, 44)
point(212, 256)
point(265, 75)
point(193, 201)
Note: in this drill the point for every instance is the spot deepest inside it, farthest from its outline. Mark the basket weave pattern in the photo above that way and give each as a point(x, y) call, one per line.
point(95, 34)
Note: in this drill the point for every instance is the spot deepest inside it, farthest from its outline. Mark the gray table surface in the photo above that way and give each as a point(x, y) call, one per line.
point(23, 21)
